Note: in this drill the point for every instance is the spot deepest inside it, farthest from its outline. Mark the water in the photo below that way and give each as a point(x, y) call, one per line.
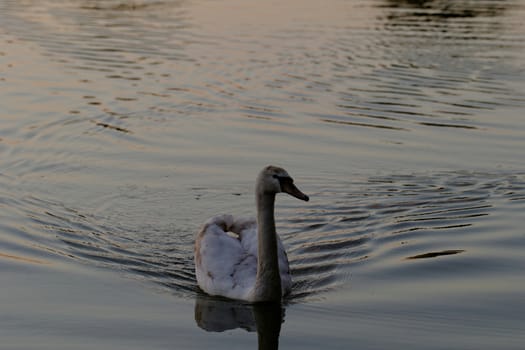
point(126, 124)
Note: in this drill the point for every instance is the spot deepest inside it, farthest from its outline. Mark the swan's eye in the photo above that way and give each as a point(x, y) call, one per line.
point(275, 176)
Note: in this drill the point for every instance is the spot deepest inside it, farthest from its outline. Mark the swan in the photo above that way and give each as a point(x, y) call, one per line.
point(243, 258)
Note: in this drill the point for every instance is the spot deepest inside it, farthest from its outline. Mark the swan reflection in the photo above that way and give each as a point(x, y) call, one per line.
point(219, 315)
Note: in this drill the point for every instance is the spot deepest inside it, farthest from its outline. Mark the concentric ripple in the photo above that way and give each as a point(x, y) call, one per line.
point(374, 225)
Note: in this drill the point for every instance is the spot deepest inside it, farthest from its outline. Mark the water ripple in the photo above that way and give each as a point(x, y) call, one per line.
point(144, 85)
point(391, 73)
point(373, 225)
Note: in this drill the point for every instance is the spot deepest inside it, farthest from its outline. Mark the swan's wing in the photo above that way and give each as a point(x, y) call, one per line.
point(248, 235)
point(226, 263)
point(244, 226)
point(222, 265)
point(249, 241)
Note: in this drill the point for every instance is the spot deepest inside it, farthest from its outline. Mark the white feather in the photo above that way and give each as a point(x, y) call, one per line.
point(226, 264)
point(227, 249)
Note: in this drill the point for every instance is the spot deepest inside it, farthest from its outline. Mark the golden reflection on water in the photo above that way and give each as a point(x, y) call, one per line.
point(23, 259)
point(277, 16)
point(305, 74)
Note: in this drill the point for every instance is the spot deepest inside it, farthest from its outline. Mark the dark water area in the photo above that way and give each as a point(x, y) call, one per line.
point(126, 124)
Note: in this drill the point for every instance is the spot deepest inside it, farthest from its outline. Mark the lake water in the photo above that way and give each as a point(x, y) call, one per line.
point(126, 124)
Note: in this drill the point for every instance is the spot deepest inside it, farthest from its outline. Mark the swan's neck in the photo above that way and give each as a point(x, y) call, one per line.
point(268, 281)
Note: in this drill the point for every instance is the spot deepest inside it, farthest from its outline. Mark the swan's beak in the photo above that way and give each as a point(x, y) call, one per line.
point(292, 190)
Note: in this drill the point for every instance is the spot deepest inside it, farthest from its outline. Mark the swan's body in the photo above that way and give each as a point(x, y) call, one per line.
point(227, 264)
point(244, 258)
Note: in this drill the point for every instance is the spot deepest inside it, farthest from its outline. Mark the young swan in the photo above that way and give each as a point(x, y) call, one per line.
point(242, 258)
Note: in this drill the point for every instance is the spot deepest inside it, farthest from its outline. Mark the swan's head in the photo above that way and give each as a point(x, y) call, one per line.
point(273, 179)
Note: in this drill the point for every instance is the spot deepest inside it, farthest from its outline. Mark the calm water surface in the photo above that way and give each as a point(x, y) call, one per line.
point(125, 124)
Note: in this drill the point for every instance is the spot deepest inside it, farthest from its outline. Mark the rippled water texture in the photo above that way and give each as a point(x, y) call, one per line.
point(126, 124)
